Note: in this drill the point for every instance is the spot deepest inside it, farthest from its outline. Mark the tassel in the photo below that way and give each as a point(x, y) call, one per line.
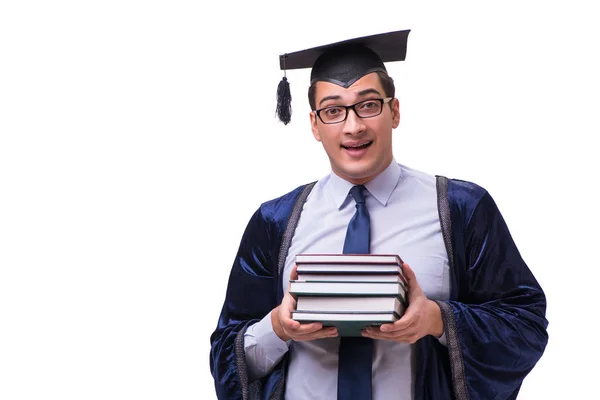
point(284, 101)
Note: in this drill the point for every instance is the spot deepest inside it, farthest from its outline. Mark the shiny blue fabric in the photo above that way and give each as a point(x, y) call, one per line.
point(495, 318)
point(254, 289)
point(497, 305)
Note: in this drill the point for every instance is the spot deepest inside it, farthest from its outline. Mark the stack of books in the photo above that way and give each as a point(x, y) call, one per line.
point(349, 291)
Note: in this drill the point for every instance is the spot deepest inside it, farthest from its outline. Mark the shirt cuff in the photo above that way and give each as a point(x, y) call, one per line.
point(443, 340)
point(263, 347)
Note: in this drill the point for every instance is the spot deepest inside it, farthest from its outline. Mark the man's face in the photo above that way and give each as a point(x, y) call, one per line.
point(358, 148)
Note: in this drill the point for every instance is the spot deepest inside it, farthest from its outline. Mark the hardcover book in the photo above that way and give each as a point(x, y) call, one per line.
point(309, 277)
point(347, 324)
point(350, 268)
point(341, 288)
point(349, 258)
point(353, 304)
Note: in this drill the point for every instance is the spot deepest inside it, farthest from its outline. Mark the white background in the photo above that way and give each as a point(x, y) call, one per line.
point(138, 137)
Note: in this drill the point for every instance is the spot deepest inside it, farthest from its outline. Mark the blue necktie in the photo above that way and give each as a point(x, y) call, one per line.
point(356, 353)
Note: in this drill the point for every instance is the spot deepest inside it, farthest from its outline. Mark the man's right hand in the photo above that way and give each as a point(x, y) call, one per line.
point(286, 328)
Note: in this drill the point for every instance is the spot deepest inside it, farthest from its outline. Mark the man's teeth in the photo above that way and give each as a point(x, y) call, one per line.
point(360, 146)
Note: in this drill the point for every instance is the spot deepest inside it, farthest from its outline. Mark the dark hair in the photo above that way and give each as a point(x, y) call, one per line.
point(386, 82)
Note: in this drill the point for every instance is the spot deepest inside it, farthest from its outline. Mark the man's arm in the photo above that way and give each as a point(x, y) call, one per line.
point(268, 340)
point(251, 295)
point(495, 326)
point(263, 347)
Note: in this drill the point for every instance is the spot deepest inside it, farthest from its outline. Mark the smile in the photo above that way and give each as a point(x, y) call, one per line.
point(357, 146)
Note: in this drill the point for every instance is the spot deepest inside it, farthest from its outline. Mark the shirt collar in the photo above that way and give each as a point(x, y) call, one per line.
point(381, 187)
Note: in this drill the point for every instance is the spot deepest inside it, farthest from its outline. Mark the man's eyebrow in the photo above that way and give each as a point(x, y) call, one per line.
point(360, 94)
point(324, 99)
point(369, 91)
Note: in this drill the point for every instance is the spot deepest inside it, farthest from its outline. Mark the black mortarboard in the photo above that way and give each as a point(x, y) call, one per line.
point(341, 63)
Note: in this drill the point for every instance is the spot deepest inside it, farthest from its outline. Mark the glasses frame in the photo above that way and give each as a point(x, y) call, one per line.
point(352, 107)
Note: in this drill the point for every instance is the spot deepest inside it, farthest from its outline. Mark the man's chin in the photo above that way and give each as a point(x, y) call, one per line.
point(356, 175)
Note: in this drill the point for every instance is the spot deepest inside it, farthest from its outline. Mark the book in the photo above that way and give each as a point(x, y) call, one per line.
point(341, 288)
point(349, 258)
point(349, 291)
point(347, 324)
point(354, 304)
point(350, 268)
point(351, 277)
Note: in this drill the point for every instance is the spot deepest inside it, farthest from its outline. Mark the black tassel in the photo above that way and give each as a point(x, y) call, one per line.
point(284, 101)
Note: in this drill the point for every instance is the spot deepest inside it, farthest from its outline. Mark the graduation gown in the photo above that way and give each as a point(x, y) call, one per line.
point(494, 321)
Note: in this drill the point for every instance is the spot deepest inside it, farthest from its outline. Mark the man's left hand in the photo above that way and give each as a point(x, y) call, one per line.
point(422, 317)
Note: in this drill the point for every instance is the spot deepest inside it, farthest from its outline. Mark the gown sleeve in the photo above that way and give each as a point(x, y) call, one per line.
point(250, 296)
point(495, 323)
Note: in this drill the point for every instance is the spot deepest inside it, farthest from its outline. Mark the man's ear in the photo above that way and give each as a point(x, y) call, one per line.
point(314, 127)
point(395, 113)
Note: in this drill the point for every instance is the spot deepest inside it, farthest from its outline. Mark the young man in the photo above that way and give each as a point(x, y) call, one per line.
point(475, 325)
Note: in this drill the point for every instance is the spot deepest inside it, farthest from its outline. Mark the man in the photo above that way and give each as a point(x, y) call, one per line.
point(475, 325)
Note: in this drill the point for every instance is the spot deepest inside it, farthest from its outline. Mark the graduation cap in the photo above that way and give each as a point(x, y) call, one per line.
point(341, 63)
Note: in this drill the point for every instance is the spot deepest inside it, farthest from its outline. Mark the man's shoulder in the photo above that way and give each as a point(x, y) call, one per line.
point(421, 178)
point(281, 207)
point(464, 191)
point(465, 197)
point(458, 189)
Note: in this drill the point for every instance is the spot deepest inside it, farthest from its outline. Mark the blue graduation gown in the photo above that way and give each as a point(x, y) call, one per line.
point(494, 321)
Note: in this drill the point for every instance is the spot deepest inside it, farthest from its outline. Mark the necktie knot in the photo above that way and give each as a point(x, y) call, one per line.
point(358, 193)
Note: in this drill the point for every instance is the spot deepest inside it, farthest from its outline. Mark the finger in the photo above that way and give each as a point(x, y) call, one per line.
point(287, 322)
point(414, 289)
point(408, 272)
point(291, 302)
point(294, 327)
point(400, 325)
point(290, 325)
point(405, 336)
point(397, 326)
point(406, 321)
point(293, 277)
point(410, 275)
point(288, 304)
point(294, 273)
point(326, 332)
point(376, 333)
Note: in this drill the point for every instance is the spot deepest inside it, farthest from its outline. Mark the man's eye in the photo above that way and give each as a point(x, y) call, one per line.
point(368, 105)
point(333, 111)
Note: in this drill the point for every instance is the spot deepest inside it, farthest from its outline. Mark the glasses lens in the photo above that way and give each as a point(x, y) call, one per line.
point(331, 115)
point(368, 108)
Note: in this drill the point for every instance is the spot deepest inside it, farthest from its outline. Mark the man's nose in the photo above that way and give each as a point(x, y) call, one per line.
point(353, 124)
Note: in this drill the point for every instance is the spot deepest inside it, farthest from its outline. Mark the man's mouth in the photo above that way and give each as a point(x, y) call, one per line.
point(357, 146)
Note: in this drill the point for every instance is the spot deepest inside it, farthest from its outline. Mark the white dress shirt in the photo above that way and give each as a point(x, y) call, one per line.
point(402, 205)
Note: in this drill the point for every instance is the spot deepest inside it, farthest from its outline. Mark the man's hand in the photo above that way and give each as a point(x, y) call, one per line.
point(286, 328)
point(422, 317)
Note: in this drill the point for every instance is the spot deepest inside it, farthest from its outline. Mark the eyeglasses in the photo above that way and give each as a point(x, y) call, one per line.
point(363, 109)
